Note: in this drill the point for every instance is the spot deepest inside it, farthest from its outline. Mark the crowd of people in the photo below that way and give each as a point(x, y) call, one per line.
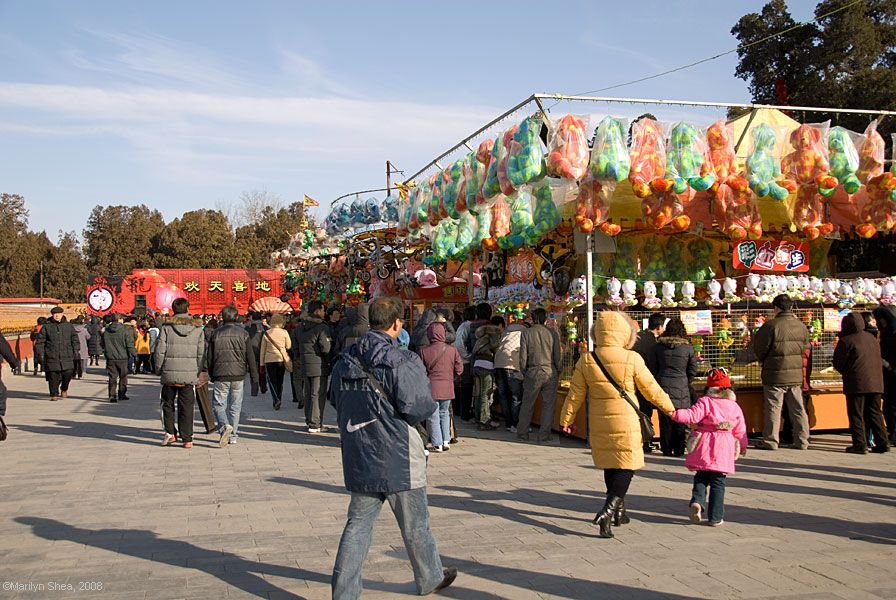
point(485, 369)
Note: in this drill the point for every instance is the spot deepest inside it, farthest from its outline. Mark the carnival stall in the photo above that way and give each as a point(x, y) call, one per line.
point(706, 219)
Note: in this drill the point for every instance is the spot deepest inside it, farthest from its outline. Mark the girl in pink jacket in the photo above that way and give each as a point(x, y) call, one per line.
point(720, 436)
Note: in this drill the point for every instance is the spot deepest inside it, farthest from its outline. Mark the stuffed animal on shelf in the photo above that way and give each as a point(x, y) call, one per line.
point(830, 290)
point(687, 164)
point(845, 295)
point(808, 166)
point(701, 251)
point(669, 295)
point(844, 162)
point(730, 287)
point(568, 156)
point(714, 289)
point(888, 292)
point(629, 291)
point(724, 340)
point(525, 161)
point(614, 287)
point(816, 290)
point(647, 158)
point(763, 169)
point(751, 287)
point(650, 301)
point(688, 290)
point(792, 288)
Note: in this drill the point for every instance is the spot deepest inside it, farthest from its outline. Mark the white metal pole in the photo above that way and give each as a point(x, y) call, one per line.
point(589, 290)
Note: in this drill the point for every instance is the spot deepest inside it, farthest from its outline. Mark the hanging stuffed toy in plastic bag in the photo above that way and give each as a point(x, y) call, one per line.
point(451, 187)
point(481, 233)
point(546, 216)
point(499, 227)
point(610, 164)
point(491, 187)
point(443, 241)
point(687, 163)
point(568, 144)
point(763, 166)
point(434, 213)
point(807, 165)
point(475, 171)
point(844, 161)
point(879, 211)
point(521, 220)
point(593, 207)
point(648, 157)
point(466, 230)
point(507, 187)
point(734, 206)
point(525, 161)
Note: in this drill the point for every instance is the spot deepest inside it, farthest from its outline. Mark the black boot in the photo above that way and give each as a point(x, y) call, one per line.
point(620, 517)
point(604, 519)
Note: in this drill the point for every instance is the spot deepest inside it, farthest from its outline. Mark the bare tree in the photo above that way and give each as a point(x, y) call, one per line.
point(250, 208)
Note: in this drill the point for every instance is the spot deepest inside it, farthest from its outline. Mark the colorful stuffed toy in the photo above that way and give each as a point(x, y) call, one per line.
point(723, 157)
point(614, 287)
point(568, 156)
point(763, 169)
point(503, 154)
point(610, 161)
point(500, 225)
point(629, 289)
point(879, 212)
point(650, 301)
point(734, 207)
point(687, 164)
point(844, 161)
point(714, 291)
point(525, 161)
point(546, 215)
point(436, 210)
point(491, 187)
point(483, 216)
point(592, 208)
point(665, 209)
point(451, 183)
point(390, 209)
point(372, 213)
point(701, 251)
point(648, 158)
point(871, 154)
point(808, 166)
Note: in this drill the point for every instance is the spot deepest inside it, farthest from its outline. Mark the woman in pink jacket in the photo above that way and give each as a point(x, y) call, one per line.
point(714, 445)
point(443, 364)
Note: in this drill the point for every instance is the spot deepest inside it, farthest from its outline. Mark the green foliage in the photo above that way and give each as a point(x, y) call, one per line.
point(846, 60)
point(65, 272)
point(119, 239)
point(200, 239)
point(271, 231)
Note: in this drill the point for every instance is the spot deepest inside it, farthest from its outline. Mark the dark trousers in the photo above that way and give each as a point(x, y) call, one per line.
point(646, 408)
point(144, 364)
point(315, 400)
point(617, 481)
point(94, 360)
point(672, 436)
point(890, 411)
point(58, 380)
point(78, 368)
point(510, 394)
point(297, 383)
point(275, 373)
point(864, 413)
point(463, 393)
point(186, 400)
point(118, 378)
point(715, 483)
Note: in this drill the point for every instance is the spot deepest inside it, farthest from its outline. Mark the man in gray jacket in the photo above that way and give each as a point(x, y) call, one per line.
point(118, 346)
point(179, 357)
point(540, 361)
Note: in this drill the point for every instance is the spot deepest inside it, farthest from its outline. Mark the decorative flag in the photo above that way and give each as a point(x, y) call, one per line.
point(309, 201)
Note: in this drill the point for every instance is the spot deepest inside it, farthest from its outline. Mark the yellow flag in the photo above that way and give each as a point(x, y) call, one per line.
point(309, 201)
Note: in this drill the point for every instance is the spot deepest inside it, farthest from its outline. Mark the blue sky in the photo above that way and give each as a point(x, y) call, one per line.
point(184, 105)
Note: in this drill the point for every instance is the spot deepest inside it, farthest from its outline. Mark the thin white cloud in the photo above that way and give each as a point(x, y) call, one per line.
point(614, 49)
point(307, 76)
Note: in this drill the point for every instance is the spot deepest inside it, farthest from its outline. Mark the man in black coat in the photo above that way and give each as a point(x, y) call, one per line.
point(95, 341)
point(645, 346)
point(118, 347)
point(313, 343)
point(57, 346)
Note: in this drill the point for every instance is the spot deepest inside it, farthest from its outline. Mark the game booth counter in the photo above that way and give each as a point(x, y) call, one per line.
point(574, 211)
point(208, 290)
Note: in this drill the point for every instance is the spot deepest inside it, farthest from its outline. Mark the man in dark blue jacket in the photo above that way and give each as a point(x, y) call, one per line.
point(375, 387)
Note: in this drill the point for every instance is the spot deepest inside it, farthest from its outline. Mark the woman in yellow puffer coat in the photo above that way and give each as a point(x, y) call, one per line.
point(614, 429)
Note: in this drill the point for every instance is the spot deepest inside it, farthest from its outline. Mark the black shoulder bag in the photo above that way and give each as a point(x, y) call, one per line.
point(647, 433)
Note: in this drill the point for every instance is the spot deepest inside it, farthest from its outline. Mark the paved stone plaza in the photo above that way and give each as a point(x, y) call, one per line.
point(89, 498)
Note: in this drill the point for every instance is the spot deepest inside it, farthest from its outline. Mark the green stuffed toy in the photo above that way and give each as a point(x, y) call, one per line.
point(547, 217)
point(686, 163)
point(763, 168)
point(525, 162)
point(844, 160)
point(609, 157)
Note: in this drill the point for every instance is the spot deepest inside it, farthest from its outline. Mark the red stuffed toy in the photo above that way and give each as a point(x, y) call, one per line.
point(648, 159)
point(734, 206)
point(569, 153)
point(592, 208)
point(808, 166)
point(666, 208)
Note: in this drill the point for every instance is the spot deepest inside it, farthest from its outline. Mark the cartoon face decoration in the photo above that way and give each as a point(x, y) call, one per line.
point(100, 299)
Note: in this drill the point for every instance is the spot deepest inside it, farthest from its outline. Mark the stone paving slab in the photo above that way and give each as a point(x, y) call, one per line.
point(88, 495)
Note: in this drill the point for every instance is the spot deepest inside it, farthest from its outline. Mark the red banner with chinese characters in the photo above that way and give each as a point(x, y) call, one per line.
point(210, 290)
point(771, 255)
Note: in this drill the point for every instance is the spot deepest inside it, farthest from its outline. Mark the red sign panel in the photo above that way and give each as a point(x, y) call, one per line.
point(771, 255)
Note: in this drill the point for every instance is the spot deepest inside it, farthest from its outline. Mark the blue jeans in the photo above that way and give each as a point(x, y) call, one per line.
point(440, 424)
point(411, 512)
point(716, 484)
point(227, 403)
point(510, 394)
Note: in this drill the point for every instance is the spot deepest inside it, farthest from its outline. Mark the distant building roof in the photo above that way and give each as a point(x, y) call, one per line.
point(29, 301)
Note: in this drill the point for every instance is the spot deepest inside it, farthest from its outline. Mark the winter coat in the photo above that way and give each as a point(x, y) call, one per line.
point(83, 337)
point(312, 344)
point(857, 358)
point(507, 356)
point(645, 345)
point(142, 345)
point(779, 345)
point(442, 362)
point(7, 353)
point(95, 341)
point(419, 337)
point(117, 344)
point(676, 367)
point(268, 352)
point(488, 338)
point(58, 345)
point(180, 351)
point(153, 338)
point(460, 341)
point(230, 356)
point(256, 330)
point(356, 324)
point(381, 450)
point(715, 448)
point(888, 346)
point(540, 351)
point(614, 428)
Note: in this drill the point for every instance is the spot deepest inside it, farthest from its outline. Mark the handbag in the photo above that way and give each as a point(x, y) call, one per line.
point(647, 433)
point(4, 430)
point(287, 361)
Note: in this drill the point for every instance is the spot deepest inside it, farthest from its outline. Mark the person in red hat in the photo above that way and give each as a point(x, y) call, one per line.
point(720, 436)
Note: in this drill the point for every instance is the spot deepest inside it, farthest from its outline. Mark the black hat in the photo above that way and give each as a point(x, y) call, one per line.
point(56, 310)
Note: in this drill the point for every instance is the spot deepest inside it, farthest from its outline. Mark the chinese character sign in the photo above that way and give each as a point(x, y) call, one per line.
point(771, 255)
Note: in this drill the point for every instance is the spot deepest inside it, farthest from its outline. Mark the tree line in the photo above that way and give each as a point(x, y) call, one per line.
point(118, 239)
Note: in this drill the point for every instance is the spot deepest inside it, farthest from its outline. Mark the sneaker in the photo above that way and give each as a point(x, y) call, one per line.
point(314, 430)
point(168, 439)
point(453, 440)
point(512, 429)
point(232, 441)
point(715, 523)
point(494, 424)
point(445, 448)
point(881, 449)
point(763, 445)
point(113, 400)
point(436, 449)
point(450, 576)
point(124, 397)
point(696, 512)
point(225, 436)
point(188, 445)
point(856, 450)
